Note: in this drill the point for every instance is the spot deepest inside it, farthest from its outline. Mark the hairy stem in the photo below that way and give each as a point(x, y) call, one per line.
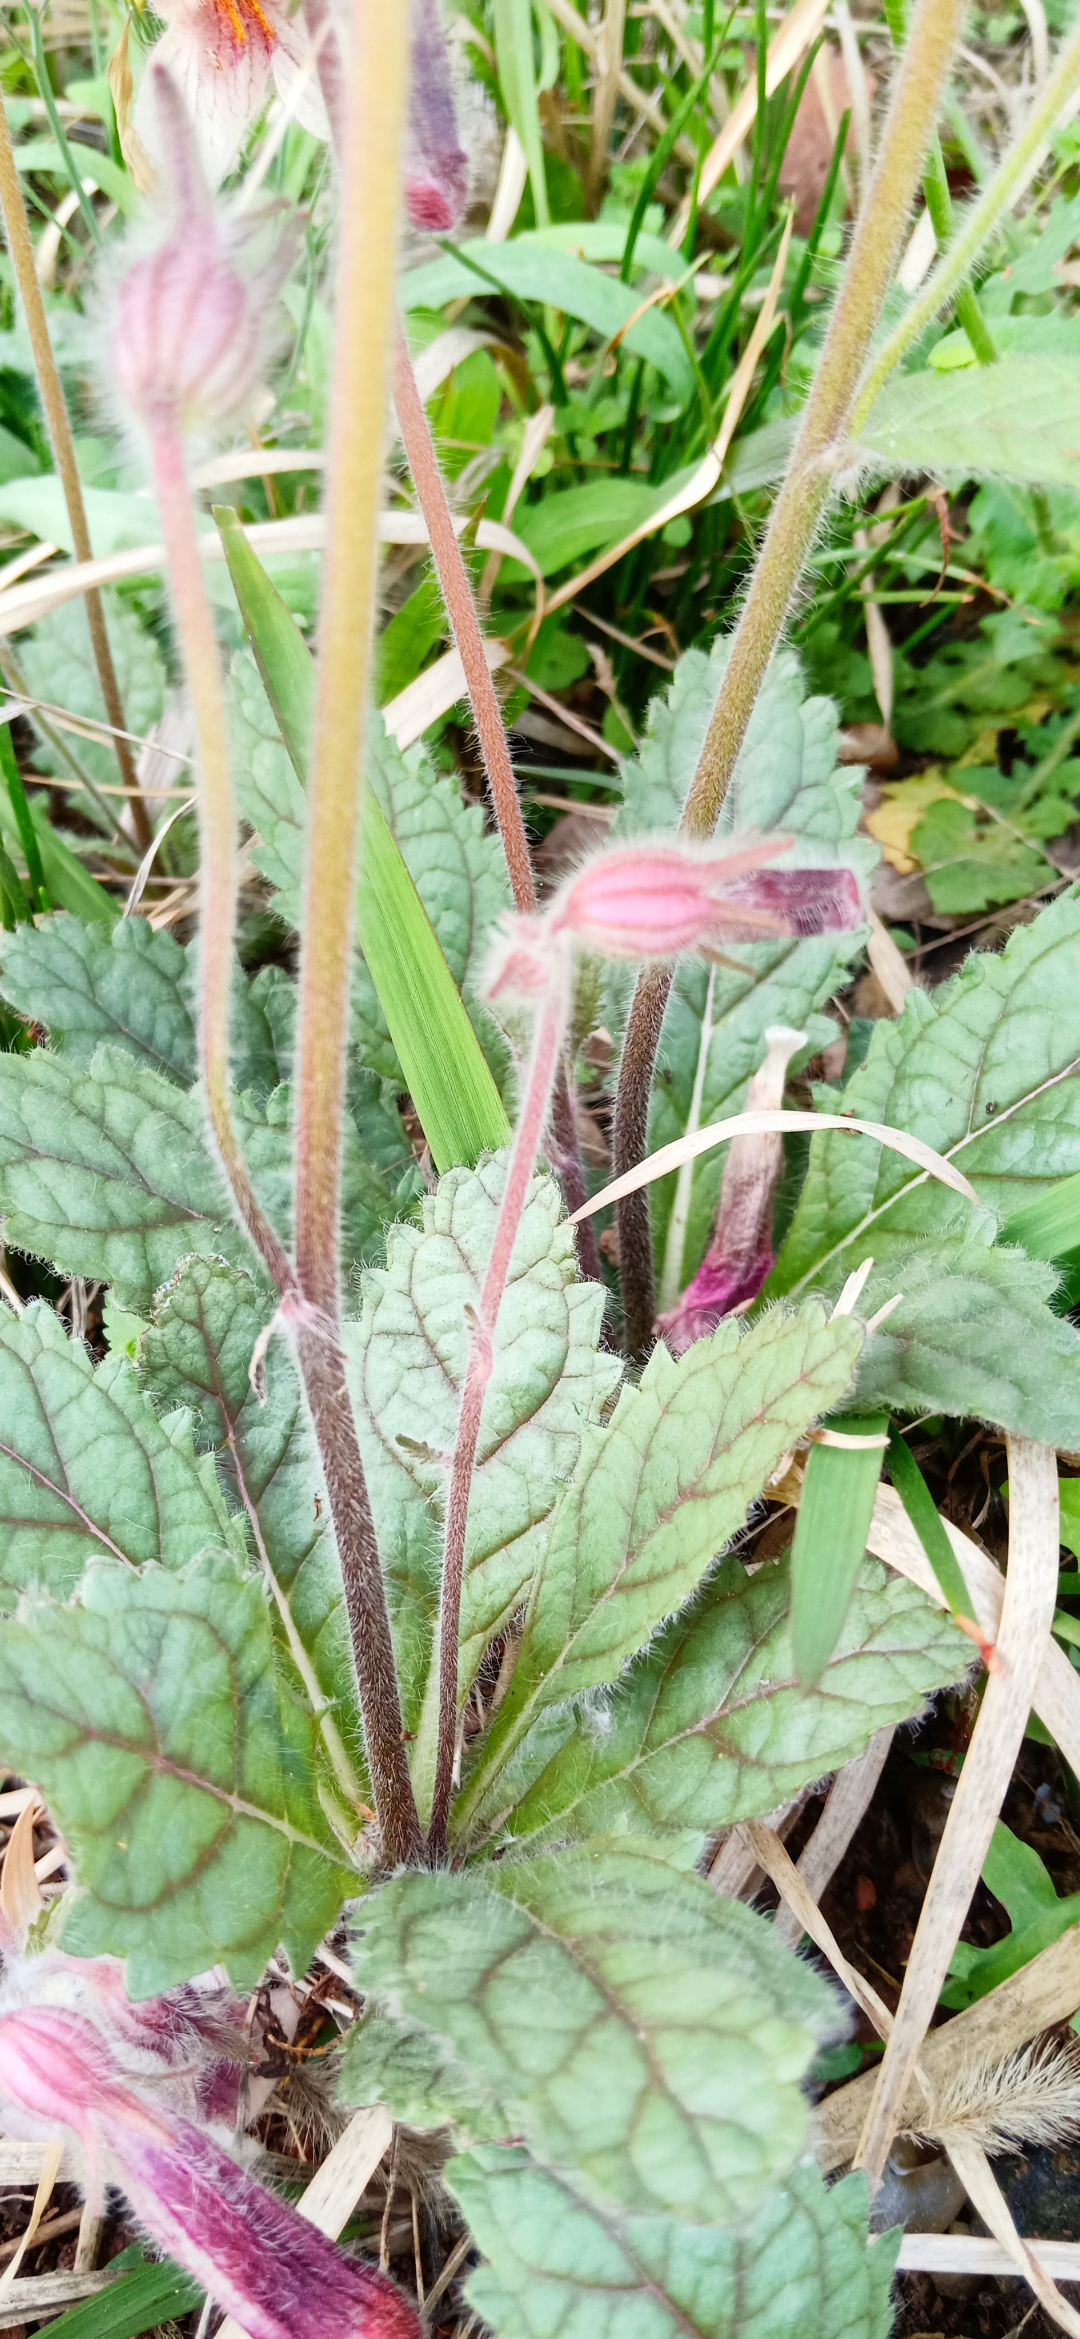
point(796, 516)
point(1005, 189)
point(538, 1087)
point(17, 231)
point(371, 148)
point(469, 642)
point(217, 828)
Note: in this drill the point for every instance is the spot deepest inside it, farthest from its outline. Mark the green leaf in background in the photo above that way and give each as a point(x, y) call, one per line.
point(1018, 419)
point(390, 2060)
point(831, 1534)
point(513, 28)
point(426, 912)
point(58, 664)
point(970, 863)
point(84, 984)
point(711, 1726)
point(531, 268)
point(180, 1769)
point(556, 2267)
point(87, 1470)
point(68, 884)
point(655, 1498)
point(136, 2302)
point(1015, 1875)
point(550, 1381)
point(197, 1353)
point(638, 2028)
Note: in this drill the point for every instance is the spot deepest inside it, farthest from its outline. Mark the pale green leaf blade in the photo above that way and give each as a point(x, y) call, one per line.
point(180, 1770)
point(656, 1497)
point(557, 2267)
point(1018, 419)
point(87, 1470)
point(407, 1360)
point(124, 983)
point(711, 1726)
point(640, 2028)
point(60, 669)
point(390, 2060)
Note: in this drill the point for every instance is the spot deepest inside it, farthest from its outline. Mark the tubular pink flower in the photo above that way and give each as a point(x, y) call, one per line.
point(268, 2267)
point(222, 55)
point(436, 170)
point(188, 326)
point(658, 900)
point(740, 1254)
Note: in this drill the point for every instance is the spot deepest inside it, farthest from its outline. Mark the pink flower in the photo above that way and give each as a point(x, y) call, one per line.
point(740, 1254)
point(658, 900)
point(268, 2267)
point(436, 169)
point(187, 324)
point(223, 55)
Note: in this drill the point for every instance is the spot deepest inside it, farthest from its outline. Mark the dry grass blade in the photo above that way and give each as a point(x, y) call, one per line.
point(672, 1157)
point(847, 1801)
point(1026, 1617)
point(54, 2153)
point(20, 1898)
point(790, 42)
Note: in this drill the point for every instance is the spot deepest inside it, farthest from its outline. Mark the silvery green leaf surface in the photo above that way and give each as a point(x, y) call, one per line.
point(557, 2267)
point(459, 870)
point(655, 1498)
point(197, 1353)
point(87, 1470)
point(711, 1725)
point(550, 1381)
point(639, 2029)
point(1017, 419)
point(59, 668)
point(179, 1767)
point(390, 2060)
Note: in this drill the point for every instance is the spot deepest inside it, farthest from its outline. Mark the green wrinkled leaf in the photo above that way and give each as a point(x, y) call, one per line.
point(530, 267)
point(1018, 419)
point(970, 863)
point(788, 781)
point(109, 1172)
point(637, 2027)
point(197, 1353)
point(711, 1726)
point(459, 870)
point(60, 669)
point(87, 1470)
point(180, 1770)
point(557, 2268)
point(389, 2060)
point(655, 1498)
point(407, 1360)
point(988, 1071)
point(124, 983)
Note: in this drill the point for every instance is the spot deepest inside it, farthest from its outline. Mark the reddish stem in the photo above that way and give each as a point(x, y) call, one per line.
point(541, 1075)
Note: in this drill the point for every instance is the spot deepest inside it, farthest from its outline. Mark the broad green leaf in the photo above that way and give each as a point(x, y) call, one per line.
point(392, 2061)
point(59, 666)
point(1016, 1876)
point(556, 2267)
point(197, 1353)
point(831, 1534)
point(109, 1174)
point(69, 885)
point(132, 985)
point(787, 780)
point(638, 2028)
point(971, 862)
point(530, 269)
point(458, 871)
point(710, 1725)
point(180, 1769)
point(407, 1360)
point(87, 1470)
point(1018, 419)
point(656, 1497)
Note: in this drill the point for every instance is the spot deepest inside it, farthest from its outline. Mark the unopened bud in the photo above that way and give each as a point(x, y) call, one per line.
point(187, 330)
point(740, 1254)
point(437, 171)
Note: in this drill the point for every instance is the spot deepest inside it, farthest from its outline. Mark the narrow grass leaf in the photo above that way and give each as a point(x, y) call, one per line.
point(672, 1157)
point(830, 1540)
point(926, 1519)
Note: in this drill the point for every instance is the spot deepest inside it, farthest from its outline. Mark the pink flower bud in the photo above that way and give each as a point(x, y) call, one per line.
point(436, 171)
point(658, 900)
point(740, 1254)
point(187, 327)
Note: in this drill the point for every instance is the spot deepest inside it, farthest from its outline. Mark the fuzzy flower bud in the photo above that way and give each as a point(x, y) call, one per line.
point(187, 326)
point(740, 1255)
point(658, 900)
point(436, 170)
point(266, 2266)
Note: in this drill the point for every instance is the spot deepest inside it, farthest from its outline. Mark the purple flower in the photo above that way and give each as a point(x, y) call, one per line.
point(740, 1254)
point(436, 169)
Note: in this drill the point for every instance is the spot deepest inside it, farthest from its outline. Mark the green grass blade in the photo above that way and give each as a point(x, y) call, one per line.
point(830, 1540)
point(13, 781)
point(135, 2302)
point(448, 1075)
point(1050, 1227)
point(929, 1526)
